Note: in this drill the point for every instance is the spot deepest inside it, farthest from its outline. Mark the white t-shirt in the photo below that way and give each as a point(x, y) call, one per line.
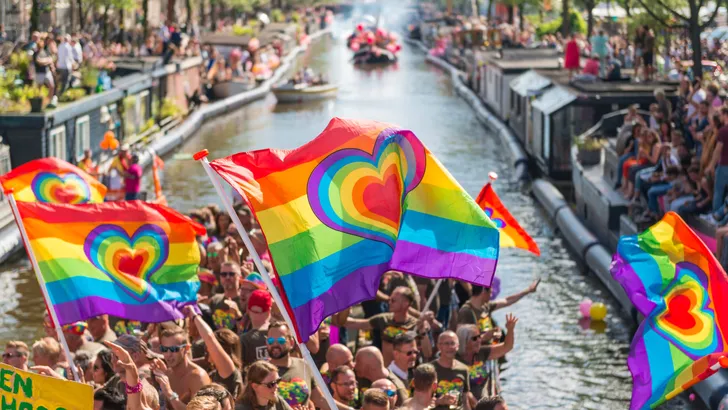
point(65, 56)
point(698, 97)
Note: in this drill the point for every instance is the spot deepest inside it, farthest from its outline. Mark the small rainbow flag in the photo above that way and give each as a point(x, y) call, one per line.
point(360, 199)
point(674, 280)
point(131, 259)
point(512, 235)
point(54, 181)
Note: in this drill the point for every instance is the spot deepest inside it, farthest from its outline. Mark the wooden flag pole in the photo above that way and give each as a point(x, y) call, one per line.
point(492, 176)
point(41, 282)
point(202, 158)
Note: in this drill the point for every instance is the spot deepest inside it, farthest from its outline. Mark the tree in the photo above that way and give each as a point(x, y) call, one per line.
point(587, 5)
point(566, 21)
point(657, 9)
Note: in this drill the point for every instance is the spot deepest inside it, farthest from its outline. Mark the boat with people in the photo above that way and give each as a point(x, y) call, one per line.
point(373, 45)
point(304, 86)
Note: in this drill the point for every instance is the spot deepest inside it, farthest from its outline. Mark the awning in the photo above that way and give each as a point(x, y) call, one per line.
point(553, 100)
point(528, 83)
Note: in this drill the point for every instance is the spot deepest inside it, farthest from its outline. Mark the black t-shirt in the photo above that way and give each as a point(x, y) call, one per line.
point(233, 383)
point(478, 370)
point(222, 315)
point(455, 379)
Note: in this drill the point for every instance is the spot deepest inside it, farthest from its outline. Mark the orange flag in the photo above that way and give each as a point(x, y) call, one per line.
point(512, 235)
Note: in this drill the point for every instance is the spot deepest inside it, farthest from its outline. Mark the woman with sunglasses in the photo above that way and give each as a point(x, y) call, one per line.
point(261, 391)
point(475, 354)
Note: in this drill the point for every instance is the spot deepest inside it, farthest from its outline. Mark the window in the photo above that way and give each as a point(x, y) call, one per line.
point(83, 136)
point(57, 142)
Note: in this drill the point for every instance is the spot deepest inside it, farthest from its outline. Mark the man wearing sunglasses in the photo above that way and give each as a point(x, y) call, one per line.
point(405, 356)
point(370, 368)
point(16, 354)
point(225, 307)
point(297, 385)
point(185, 378)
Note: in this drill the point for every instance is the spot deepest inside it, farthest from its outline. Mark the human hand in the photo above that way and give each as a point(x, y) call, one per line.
point(511, 321)
point(124, 358)
point(446, 400)
point(534, 285)
point(46, 371)
point(247, 268)
point(189, 311)
point(232, 306)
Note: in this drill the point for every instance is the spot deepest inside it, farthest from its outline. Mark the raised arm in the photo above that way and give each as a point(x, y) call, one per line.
point(499, 350)
point(502, 303)
point(218, 356)
point(131, 375)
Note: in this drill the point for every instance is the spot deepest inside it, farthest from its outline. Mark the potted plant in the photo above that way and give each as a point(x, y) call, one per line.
point(35, 95)
point(589, 150)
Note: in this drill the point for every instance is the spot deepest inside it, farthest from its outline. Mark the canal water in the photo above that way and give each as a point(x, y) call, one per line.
point(557, 362)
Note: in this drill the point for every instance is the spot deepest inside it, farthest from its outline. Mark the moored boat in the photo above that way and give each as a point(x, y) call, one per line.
point(225, 89)
point(296, 93)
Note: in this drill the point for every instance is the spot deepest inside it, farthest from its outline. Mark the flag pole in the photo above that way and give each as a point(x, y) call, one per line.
point(202, 158)
point(492, 176)
point(41, 282)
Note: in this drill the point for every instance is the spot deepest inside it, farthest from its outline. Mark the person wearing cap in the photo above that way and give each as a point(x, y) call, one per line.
point(75, 334)
point(298, 383)
point(254, 341)
point(139, 352)
point(225, 306)
point(100, 330)
point(252, 282)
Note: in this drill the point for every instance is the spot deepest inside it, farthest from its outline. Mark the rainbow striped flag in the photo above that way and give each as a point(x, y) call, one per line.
point(674, 280)
point(512, 235)
point(130, 259)
point(53, 180)
point(360, 199)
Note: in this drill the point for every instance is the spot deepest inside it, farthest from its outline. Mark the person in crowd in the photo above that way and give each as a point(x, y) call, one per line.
point(424, 387)
point(375, 399)
point(337, 355)
point(219, 393)
point(599, 43)
point(388, 387)
point(204, 403)
point(65, 63)
point(87, 164)
point(261, 390)
point(100, 330)
point(720, 159)
point(614, 72)
point(178, 377)
point(648, 52)
point(140, 352)
point(16, 354)
point(297, 385)
point(453, 386)
point(477, 310)
point(369, 367)
point(343, 387)
point(133, 179)
point(254, 341)
point(663, 105)
point(491, 403)
point(78, 339)
point(571, 56)
point(140, 395)
point(44, 68)
point(405, 355)
point(103, 368)
point(47, 352)
point(225, 306)
point(648, 154)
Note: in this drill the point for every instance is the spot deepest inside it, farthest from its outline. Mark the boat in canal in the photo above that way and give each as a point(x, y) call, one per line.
point(298, 93)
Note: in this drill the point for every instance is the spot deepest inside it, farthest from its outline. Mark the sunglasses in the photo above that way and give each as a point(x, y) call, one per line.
point(280, 340)
point(12, 355)
point(272, 384)
point(390, 393)
point(171, 349)
point(228, 274)
point(212, 254)
point(410, 352)
point(475, 338)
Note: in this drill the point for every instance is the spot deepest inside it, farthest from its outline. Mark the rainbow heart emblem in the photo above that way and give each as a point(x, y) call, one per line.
point(687, 318)
point(362, 193)
point(499, 222)
point(60, 189)
point(128, 261)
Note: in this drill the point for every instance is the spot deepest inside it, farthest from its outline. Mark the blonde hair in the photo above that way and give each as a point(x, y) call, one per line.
point(48, 347)
point(17, 345)
point(203, 403)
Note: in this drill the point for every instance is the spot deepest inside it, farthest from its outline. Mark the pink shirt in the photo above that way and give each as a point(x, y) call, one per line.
point(133, 183)
point(591, 67)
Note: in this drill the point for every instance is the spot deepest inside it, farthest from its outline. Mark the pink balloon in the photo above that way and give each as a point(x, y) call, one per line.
point(354, 46)
point(391, 48)
point(692, 396)
point(370, 40)
point(584, 307)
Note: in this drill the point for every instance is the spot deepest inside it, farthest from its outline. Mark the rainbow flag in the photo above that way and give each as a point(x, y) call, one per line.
point(677, 284)
point(53, 180)
point(512, 235)
point(130, 259)
point(360, 199)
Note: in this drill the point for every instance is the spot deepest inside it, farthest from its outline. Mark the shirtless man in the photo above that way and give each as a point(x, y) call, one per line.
point(181, 379)
point(424, 380)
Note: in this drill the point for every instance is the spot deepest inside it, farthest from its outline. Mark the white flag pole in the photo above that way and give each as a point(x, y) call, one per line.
point(492, 176)
point(202, 158)
point(41, 282)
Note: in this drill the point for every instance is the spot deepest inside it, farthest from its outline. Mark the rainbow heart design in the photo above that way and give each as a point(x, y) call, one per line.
point(499, 222)
point(363, 193)
point(294, 392)
point(687, 318)
point(128, 261)
point(67, 188)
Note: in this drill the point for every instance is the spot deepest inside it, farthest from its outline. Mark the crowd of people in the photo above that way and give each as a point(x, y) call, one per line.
point(236, 352)
point(677, 158)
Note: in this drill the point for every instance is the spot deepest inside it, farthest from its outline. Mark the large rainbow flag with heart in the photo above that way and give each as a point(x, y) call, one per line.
point(674, 280)
point(360, 199)
point(53, 180)
point(130, 259)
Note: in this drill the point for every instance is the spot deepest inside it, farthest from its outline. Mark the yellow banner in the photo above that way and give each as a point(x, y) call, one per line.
point(21, 390)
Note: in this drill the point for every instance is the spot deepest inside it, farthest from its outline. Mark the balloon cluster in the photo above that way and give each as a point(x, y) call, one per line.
point(374, 39)
point(591, 310)
point(109, 141)
point(439, 49)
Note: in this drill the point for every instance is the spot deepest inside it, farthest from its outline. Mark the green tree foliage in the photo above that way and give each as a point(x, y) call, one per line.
point(577, 25)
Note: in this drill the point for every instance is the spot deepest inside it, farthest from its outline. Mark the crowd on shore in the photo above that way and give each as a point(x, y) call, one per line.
point(237, 352)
